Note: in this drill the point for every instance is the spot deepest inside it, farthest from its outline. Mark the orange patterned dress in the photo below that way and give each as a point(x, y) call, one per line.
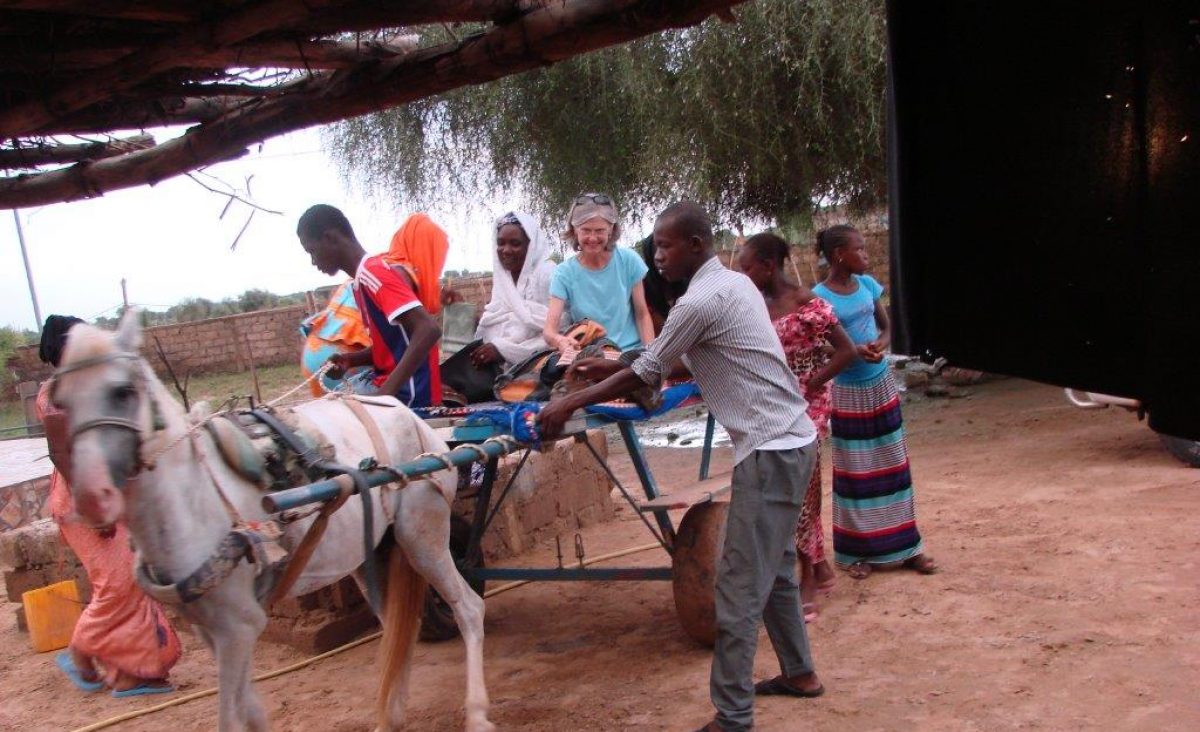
point(121, 628)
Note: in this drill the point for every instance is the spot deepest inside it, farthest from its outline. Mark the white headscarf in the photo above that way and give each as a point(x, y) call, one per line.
point(514, 317)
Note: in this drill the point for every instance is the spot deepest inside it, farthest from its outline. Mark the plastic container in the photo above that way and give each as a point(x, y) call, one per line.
point(51, 613)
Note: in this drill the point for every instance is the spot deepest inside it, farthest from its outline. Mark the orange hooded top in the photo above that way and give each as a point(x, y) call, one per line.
point(420, 247)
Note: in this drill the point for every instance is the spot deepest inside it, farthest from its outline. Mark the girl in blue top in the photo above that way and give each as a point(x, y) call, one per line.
point(874, 516)
point(602, 283)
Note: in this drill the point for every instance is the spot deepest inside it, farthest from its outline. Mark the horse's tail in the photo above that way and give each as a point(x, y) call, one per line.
point(402, 611)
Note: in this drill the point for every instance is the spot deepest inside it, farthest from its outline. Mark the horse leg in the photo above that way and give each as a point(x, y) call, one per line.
point(234, 622)
point(423, 531)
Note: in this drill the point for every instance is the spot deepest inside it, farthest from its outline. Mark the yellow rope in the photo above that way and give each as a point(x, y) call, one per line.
point(352, 644)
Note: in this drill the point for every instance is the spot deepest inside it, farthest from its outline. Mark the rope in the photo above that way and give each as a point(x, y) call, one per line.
point(104, 724)
point(151, 461)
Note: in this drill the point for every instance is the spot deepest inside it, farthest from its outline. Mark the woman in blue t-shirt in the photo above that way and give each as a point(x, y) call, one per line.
point(602, 283)
point(874, 516)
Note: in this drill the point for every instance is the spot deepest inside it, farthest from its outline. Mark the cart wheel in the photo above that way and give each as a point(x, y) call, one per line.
point(1187, 451)
point(694, 569)
point(437, 622)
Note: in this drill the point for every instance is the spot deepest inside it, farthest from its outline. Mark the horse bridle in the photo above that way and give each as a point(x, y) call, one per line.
point(132, 425)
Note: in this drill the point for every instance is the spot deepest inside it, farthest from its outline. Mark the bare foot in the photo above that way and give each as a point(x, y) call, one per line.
point(859, 570)
point(85, 666)
point(824, 576)
point(125, 682)
point(922, 564)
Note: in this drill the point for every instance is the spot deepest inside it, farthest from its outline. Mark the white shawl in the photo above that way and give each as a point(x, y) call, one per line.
point(514, 317)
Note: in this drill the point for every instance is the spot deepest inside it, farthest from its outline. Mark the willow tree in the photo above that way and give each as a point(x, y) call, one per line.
point(763, 118)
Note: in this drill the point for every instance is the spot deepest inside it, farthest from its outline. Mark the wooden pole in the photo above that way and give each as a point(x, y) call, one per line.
point(37, 311)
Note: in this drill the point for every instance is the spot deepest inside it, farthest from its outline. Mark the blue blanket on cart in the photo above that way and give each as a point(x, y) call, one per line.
point(520, 419)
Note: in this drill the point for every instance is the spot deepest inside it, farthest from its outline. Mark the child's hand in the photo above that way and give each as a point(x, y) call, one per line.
point(868, 354)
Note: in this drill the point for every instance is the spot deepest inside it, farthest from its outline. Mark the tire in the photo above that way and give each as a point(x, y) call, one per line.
point(1187, 451)
point(694, 569)
point(437, 622)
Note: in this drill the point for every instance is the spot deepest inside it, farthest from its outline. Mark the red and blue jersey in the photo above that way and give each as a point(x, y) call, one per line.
point(383, 295)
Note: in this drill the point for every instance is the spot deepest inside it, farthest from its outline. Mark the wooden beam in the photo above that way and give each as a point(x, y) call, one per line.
point(161, 11)
point(140, 114)
point(137, 67)
point(275, 54)
point(49, 154)
point(558, 31)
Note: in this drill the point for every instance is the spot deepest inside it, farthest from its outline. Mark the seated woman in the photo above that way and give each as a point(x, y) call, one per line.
point(512, 322)
point(603, 283)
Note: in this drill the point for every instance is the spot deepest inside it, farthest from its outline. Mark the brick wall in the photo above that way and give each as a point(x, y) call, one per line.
point(270, 337)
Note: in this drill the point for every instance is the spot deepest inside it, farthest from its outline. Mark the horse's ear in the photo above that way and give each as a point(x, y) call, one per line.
point(129, 332)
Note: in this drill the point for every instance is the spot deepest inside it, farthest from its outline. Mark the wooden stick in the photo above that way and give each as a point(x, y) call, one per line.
point(552, 33)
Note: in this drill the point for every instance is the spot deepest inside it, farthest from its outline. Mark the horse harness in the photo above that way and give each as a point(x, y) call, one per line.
point(293, 459)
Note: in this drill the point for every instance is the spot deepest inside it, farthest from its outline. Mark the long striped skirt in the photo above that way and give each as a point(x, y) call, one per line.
point(874, 519)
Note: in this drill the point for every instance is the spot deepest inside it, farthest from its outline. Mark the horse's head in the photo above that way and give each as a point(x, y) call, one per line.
point(101, 384)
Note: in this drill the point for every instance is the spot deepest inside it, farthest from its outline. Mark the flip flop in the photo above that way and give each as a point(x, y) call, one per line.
point(141, 689)
point(779, 686)
point(810, 611)
point(64, 662)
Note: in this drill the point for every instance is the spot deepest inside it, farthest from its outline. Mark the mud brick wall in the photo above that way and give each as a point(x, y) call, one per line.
point(216, 345)
point(557, 492)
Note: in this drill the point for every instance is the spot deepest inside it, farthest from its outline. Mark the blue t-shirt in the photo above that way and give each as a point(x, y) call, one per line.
point(603, 295)
point(856, 312)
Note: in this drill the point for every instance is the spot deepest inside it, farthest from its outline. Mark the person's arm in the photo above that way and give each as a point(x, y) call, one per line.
point(550, 332)
point(641, 314)
point(423, 334)
point(880, 344)
point(555, 414)
point(843, 356)
point(683, 329)
point(343, 362)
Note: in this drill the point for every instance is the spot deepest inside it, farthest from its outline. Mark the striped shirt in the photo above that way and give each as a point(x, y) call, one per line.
point(721, 325)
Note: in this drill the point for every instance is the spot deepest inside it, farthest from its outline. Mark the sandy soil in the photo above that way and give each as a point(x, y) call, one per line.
point(1068, 600)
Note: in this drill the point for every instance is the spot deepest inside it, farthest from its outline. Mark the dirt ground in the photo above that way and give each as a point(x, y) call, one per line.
point(1069, 599)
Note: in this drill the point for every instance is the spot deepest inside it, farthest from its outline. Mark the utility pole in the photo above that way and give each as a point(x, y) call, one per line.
point(37, 311)
point(124, 297)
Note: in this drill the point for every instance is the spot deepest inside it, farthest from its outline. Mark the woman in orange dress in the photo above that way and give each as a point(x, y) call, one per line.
point(123, 639)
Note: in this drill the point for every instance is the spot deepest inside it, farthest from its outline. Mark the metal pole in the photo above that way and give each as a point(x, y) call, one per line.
point(37, 311)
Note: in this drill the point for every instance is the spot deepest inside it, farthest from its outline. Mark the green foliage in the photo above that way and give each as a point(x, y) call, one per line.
point(199, 308)
point(759, 119)
point(10, 340)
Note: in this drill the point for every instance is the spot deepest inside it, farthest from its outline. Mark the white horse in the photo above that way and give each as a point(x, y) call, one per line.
point(121, 414)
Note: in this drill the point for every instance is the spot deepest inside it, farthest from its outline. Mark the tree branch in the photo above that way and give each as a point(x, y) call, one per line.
point(555, 32)
point(49, 154)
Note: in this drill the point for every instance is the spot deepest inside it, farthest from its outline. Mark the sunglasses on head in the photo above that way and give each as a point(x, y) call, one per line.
point(597, 198)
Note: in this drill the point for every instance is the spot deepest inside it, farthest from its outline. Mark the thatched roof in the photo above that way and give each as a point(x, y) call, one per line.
point(82, 80)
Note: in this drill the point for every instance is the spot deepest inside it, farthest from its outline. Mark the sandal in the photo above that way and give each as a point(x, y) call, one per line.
point(779, 686)
point(810, 612)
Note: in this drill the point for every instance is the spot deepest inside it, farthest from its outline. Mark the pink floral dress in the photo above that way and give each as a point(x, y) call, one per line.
point(804, 333)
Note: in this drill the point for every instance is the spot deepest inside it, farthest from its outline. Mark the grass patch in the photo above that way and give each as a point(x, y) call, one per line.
point(217, 388)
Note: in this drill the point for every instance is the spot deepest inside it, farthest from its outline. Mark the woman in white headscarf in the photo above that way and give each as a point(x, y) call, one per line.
point(512, 322)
